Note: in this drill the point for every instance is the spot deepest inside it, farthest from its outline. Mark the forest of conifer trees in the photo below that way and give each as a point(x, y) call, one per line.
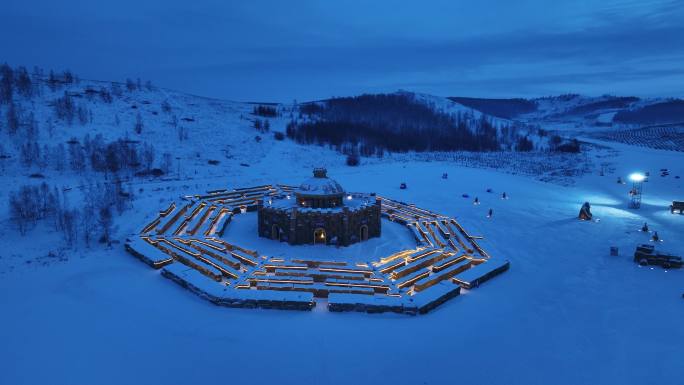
point(390, 122)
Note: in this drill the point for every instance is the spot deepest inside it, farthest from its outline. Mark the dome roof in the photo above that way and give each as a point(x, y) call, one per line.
point(320, 184)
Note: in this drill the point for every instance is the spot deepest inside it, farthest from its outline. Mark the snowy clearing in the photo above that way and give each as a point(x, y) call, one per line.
point(567, 312)
point(566, 307)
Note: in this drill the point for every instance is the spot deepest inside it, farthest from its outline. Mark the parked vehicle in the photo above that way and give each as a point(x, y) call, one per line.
point(647, 255)
point(677, 205)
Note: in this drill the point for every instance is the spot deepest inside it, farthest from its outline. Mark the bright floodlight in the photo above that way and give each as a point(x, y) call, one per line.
point(637, 177)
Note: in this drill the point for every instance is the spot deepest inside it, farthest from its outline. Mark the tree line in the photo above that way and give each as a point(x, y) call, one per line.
point(95, 154)
point(265, 111)
point(19, 82)
point(94, 205)
point(92, 218)
point(391, 122)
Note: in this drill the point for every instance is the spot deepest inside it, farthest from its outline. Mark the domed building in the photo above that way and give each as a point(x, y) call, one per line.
point(320, 191)
point(320, 213)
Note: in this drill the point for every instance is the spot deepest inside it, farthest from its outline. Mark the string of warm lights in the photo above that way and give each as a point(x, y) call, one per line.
point(448, 251)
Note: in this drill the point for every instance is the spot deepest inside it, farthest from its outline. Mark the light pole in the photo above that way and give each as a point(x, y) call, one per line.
point(637, 187)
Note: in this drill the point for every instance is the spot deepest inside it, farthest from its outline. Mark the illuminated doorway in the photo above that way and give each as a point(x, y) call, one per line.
point(319, 236)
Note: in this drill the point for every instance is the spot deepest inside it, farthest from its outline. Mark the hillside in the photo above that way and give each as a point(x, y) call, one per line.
point(88, 149)
point(77, 154)
point(403, 121)
point(175, 124)
point(503, 108)
point(582, 112)
point(89, 163)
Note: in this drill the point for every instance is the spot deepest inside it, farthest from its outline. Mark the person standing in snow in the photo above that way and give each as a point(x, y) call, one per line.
point(490, 213)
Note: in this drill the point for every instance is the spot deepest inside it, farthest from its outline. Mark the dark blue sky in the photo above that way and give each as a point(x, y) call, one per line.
point(279, 51)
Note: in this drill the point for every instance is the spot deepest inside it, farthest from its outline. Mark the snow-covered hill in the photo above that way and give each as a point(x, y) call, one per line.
point(78, 136)
point(192, 128)
point(577, 112)
point(567, 312)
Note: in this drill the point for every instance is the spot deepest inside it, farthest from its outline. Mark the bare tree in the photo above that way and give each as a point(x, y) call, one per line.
point(167, 163)
point(12, 118)
point(76, 157)
point(138, 124)
point(182, 133)
point(83, 115)
point(6, 84)
point(58, 158)
point(23, 82)
point(105, 221)
point(148, 156)
point(65, 108)
point(69, 226)
point(130, 85)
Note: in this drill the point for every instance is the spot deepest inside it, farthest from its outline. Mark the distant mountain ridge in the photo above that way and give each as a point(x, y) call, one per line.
point(502, 108)
point(604, 110)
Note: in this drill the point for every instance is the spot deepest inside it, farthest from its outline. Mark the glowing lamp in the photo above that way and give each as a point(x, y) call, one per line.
point(637, 177)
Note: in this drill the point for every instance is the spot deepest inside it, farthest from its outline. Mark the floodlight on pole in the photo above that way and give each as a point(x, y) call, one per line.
point(637, 179)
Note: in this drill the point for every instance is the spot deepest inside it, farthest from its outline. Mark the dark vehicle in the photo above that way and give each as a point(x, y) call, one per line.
point(677, 205)
point(647, 255)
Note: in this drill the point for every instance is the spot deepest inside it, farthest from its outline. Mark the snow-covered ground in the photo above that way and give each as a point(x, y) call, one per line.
point(566, 313)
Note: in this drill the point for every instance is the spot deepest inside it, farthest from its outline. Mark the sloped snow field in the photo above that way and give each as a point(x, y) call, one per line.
point(565, 313)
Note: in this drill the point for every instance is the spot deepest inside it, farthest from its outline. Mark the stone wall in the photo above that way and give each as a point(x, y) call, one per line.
point(342, 227)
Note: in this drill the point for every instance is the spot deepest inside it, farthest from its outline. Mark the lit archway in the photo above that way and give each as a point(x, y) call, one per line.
point(319, 236)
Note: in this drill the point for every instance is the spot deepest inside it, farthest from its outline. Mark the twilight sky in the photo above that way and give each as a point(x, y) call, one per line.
point(271, 50)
